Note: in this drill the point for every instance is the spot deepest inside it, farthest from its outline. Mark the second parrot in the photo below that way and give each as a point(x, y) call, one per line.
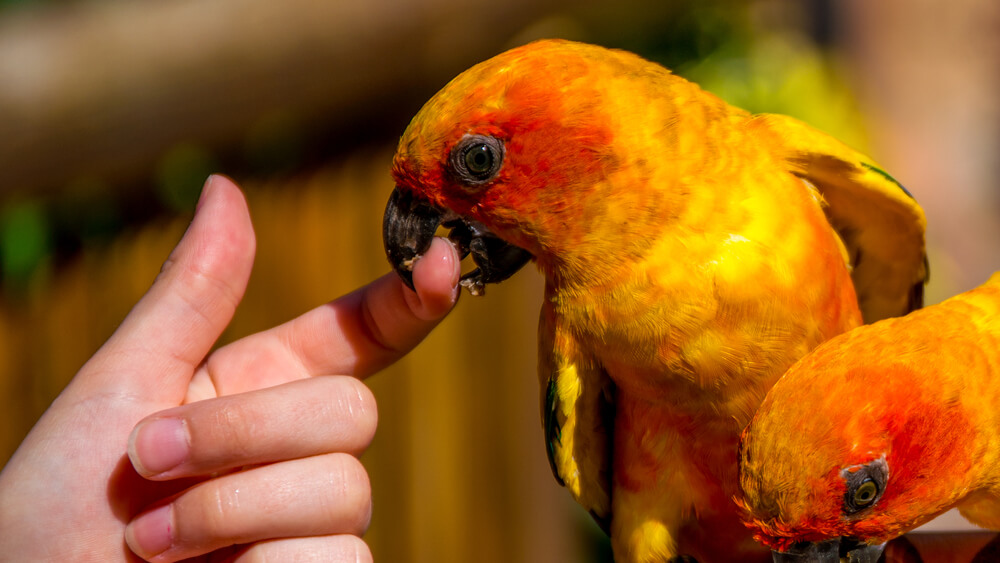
point(878, 431)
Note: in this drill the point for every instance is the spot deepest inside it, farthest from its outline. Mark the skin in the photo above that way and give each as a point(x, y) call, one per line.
point(679, 246)
point(919, 392)
point(186, 453)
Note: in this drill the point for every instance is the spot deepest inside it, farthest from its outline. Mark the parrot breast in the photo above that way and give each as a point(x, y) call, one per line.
point(690, 256)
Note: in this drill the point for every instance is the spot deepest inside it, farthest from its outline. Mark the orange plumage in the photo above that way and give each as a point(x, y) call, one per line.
point(920, 394)
point(689, 254)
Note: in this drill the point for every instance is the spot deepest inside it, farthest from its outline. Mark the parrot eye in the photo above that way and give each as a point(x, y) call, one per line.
point(479, 159)
point(865, 493)
point(865, 484)
point(476, 159)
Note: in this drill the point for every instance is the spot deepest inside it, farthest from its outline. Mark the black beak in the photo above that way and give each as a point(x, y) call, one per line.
point(408, 228)
point(830, 551)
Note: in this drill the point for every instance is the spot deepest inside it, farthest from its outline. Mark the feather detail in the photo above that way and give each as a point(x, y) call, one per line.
point(692, 252)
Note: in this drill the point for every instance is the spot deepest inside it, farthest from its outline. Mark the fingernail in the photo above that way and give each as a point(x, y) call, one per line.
point(204, 190)
point(456, 276)
point(454, 261)
point(201, 201)
point(159, 445)
point(151, 533)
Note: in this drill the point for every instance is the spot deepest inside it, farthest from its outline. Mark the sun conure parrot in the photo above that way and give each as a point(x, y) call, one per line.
point(879, 430)
point(691, 253)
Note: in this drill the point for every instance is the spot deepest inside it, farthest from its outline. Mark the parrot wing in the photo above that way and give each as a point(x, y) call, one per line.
point(880, 223)
point(578, 417)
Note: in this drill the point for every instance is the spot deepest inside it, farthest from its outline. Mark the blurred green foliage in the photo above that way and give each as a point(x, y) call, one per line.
point(180, 173)
point(275, 143)
point(86, 211)
point(25, 241)
point(787, 74)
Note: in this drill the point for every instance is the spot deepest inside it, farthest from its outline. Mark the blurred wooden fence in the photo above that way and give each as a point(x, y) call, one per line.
point(458, 465)
point(98, 92)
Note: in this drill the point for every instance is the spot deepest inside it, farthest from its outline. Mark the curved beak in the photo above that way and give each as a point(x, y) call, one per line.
point(408, 228)
point(830, 551)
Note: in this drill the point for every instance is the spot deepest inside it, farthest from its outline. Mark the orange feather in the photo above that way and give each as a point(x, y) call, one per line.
point(689, 258)
point(921, 391)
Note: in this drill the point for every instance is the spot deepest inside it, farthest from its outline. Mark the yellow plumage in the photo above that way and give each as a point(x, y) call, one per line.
point(690, 257)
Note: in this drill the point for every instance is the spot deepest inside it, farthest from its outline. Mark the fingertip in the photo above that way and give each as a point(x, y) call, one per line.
point(435, 277)
point(158, 445)
point(151, 533)
point(220, 194)
point(216, 187)
point(206, 191)
point(221, 214)
point(192, 299)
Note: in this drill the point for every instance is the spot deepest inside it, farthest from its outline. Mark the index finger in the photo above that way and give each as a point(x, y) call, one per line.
point(357, 334)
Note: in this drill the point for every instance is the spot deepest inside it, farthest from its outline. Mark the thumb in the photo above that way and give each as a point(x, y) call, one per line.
point(153, 353)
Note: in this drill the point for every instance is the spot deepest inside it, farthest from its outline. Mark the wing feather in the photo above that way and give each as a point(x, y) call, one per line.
point(879, 221)
point(577, 416)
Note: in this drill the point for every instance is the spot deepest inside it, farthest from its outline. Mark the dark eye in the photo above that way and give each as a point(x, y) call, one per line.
point(479, 159)
point(476, 159)
point(865, 493)
point(865, 484)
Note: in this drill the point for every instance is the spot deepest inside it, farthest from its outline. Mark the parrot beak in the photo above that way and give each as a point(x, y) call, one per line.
point(837, 550)
point(408, 228)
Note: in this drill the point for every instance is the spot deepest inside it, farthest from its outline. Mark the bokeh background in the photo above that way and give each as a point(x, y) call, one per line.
point(112, 113)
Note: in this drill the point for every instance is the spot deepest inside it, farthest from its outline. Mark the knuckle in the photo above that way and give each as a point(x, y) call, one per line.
point(222, 506)
point(205, 517)
point(355, 550)
point(348, 498)
point(336, 549)
point(352, 405)
point(231, 429)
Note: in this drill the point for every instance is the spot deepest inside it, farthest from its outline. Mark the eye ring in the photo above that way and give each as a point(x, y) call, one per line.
point(865, 484)
point(476, 159)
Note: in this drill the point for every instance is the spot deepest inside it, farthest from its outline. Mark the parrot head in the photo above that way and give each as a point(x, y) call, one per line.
point(522, 157)
point(846, 452)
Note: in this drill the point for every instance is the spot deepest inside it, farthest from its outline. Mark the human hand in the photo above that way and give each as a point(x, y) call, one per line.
point(243, 452)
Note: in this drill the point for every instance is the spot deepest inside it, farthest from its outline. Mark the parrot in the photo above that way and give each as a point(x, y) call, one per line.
point(877, 431)
point(691, 252)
